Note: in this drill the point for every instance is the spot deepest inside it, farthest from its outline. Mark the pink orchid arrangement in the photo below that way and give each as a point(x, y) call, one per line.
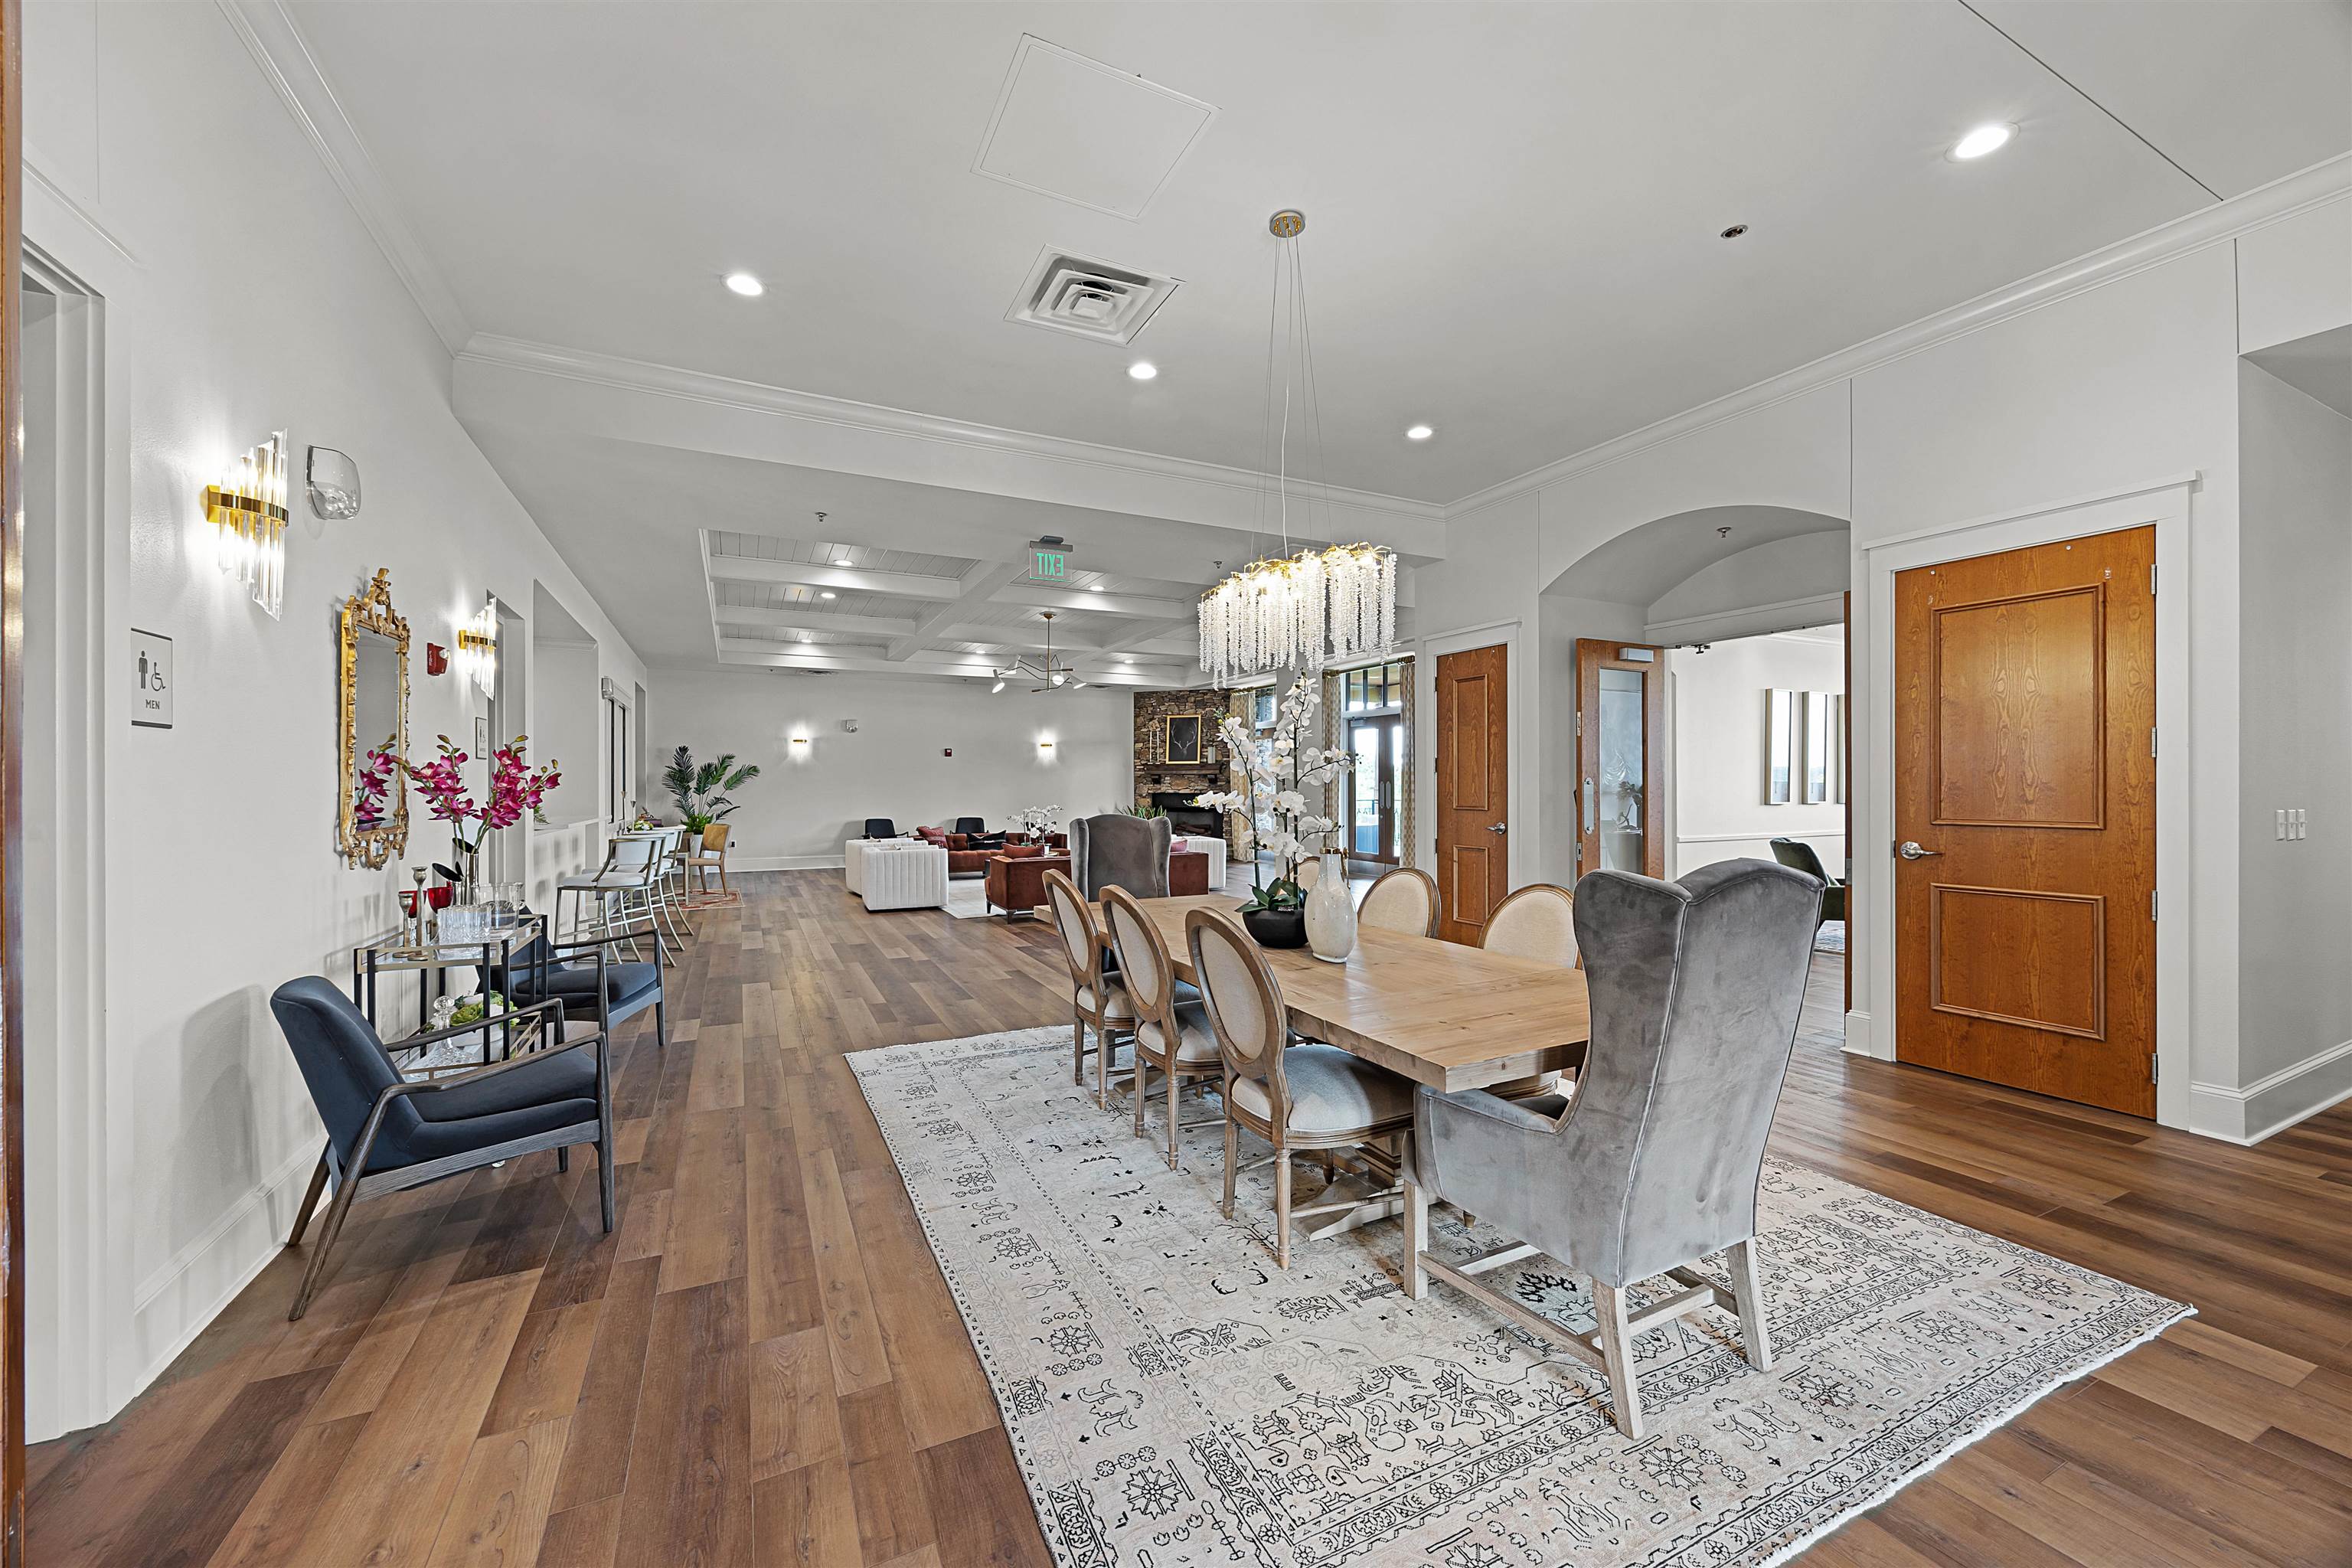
point(369, 789)
point(515, 788)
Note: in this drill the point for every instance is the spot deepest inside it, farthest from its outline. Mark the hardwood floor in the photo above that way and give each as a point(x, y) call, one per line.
point(762, 1365)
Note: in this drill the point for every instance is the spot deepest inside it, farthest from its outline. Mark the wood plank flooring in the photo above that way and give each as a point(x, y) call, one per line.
point(762, 1365)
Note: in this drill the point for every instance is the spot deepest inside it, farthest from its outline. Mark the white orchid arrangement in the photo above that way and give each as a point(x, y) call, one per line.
point(1040, 822)
point(1277, 770)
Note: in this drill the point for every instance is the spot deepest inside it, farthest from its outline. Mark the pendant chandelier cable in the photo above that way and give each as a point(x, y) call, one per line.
point(1295, 610)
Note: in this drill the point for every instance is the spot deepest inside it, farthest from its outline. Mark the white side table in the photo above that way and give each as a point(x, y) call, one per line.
point(909, 876)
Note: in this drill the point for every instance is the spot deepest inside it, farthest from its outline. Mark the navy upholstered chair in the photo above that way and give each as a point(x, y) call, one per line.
point(386, 1133)
point(1653, 1164)
point(881, 828)
point(1119, 851)
point(580, 974)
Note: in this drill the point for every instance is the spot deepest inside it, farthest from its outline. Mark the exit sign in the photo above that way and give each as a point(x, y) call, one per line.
point(1049, 561)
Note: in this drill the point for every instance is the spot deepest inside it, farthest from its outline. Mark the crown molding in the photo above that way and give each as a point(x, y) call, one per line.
point(674, 380)
point(2218, 224)
point(293, 71)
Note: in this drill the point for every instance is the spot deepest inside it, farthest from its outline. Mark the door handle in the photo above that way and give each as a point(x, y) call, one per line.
point(1499, 828)
point(1910, 850)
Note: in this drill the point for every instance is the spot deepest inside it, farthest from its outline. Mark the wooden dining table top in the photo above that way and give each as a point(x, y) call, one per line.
point(1436, 1012)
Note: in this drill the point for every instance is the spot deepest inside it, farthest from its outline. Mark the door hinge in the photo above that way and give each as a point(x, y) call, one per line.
point(2151, 582)
point(2151, 903)
point(2151, 1070)
point(2151, 740)
point(1580, 726)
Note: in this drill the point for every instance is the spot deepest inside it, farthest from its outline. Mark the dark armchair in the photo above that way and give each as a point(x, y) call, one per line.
point(581, 975)
point(386, 1133)
point(1797, 855)
point(881, 828)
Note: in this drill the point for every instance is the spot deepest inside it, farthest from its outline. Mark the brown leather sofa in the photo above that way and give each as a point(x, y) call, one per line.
point(965, 859)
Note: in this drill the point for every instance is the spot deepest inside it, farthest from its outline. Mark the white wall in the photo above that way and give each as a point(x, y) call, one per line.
point(1716, 709)
point(182, 1110)
point(809, 798)
point(568, 713)
point(2296, 734)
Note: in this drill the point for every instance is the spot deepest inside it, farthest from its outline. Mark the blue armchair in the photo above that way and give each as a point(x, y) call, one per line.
point(386, 1133)
point(589, 988)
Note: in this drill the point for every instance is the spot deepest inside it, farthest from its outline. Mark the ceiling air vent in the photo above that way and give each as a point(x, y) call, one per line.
point(1089, 297)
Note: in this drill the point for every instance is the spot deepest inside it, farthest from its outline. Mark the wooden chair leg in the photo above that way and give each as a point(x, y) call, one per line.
point(1416, 1238)
point(1617, 1354)
point(1232, 1158)
point(1747, 1289)
point(333, 1228)
point(309, 1199)
point(1174, 1082)
point(1078, 1049)
point(1141, 1087)
point(1282, 1209)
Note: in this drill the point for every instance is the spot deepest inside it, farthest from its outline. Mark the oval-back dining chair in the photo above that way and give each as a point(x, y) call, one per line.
point(1537, 922)
point(1097, 999)
point(1300, 1098)
point(1173, 1035)
point(1402, 899)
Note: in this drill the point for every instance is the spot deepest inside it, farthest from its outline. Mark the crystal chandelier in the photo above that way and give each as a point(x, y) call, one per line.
point(1295, 611)
point(1051, 675)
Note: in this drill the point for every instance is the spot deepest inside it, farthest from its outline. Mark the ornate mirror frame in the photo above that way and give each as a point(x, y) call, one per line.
point(371, 610)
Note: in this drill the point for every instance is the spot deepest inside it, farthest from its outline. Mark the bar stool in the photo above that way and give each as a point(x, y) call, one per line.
point(623, 888)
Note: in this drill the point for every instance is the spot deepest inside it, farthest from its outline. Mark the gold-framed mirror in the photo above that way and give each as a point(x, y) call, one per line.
point(374, 639)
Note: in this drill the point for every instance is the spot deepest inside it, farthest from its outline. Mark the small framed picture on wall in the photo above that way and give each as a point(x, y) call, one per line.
point(1181, 740)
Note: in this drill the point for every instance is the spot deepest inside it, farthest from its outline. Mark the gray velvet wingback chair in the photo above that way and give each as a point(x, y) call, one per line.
point(1655, 1163)
point(1114, 849)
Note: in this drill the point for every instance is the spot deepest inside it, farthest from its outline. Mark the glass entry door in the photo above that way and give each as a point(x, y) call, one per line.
point(1620, 757)
point(1378, 746)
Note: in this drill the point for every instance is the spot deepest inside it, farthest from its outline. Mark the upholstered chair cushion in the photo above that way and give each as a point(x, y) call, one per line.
point(1198, 1043)
point(1129, 851)
point(1118, 1006)
point(1403, 900)
point(1535, 922)
point(1331, 1092)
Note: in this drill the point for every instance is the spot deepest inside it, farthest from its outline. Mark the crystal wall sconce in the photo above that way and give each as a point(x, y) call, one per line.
point(247, 511)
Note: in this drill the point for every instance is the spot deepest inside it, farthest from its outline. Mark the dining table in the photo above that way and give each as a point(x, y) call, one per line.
point(1436, 1012)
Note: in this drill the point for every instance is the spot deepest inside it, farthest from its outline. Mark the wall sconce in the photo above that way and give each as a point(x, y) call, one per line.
point(477, 648)
point(800, 748)
point(1046, 750)
point(334, 485)
point(247, 509)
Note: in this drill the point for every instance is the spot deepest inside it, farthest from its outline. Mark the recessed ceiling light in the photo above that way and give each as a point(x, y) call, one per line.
point(1420, 433)
point(1984, 139)
point(743, 283)
point(826, 595)
point(1143, 370)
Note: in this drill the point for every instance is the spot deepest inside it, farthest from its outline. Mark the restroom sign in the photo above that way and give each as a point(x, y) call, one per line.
point(1049, 561)
point(150, 671)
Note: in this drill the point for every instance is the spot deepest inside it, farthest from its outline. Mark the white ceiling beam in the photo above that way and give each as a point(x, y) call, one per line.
point(979, 584)
point(1094, 603)
point(856, 579)
point(811, 620)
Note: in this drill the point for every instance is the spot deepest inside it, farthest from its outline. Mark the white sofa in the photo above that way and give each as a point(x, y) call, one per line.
point(899, 874)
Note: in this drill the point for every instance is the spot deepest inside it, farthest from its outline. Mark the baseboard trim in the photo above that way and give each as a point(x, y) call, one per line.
point(249, 1232)
point(1862, 1037)
point(2271, 1104)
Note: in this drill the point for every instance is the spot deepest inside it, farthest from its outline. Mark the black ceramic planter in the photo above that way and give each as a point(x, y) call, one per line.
point(1276, 928)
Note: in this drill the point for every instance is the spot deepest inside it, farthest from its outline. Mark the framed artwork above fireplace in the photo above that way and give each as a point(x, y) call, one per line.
point(1180, 743)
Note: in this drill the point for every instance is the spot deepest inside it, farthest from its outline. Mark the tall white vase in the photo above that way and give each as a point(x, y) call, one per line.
point(1331, 913)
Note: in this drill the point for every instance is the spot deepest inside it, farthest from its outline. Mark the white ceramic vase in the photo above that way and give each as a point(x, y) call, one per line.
point(1331, 913)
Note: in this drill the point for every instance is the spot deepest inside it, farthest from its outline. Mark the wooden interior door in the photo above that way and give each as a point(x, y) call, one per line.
point(1620, 757)
point(2025, 818)
point(1474, 822)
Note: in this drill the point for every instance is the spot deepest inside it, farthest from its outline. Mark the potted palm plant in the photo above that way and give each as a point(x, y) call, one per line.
point(702, 792)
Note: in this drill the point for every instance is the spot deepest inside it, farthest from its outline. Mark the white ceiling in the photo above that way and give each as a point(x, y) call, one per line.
point(1512, 230)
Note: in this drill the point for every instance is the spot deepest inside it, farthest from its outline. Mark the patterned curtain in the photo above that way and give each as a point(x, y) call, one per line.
point(1407, 847)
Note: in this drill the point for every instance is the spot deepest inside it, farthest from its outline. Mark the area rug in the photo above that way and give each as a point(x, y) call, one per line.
point(1175, 1398)
point(967, 899)
point(1831, 937)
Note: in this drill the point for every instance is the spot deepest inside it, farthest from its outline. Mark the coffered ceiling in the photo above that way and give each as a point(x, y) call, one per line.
point(1513, 236)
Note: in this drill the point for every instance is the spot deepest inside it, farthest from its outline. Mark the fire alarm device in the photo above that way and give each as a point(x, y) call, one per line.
point(946, 751)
